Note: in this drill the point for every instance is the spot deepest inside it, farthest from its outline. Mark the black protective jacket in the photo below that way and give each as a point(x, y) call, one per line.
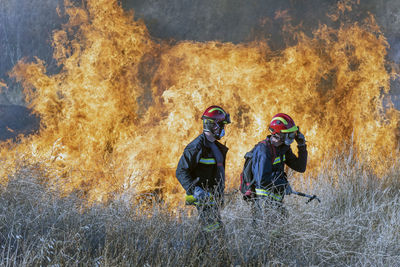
point(269, 162)
point(197, 166)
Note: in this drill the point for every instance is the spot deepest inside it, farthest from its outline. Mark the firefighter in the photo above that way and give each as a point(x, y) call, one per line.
point(201, 169)
point(269, 161)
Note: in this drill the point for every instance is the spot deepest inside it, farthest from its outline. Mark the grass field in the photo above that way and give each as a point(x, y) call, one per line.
point(357, 223)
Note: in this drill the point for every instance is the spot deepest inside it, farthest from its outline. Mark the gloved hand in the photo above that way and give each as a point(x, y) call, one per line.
point(200, 194)
point(288, 190)
point(300, 139)
point(280, 183)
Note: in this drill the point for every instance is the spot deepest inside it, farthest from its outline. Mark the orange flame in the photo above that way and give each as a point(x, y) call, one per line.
point(123, 107)
point(2, 84)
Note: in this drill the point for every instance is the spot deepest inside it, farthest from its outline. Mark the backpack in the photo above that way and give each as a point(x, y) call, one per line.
point(247, 182)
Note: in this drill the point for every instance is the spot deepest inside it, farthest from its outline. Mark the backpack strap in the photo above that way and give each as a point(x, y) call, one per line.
point(271, 147)
point(250, 155)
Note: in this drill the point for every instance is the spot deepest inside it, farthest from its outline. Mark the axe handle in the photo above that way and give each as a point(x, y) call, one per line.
point(301, 194)
point(305, 195)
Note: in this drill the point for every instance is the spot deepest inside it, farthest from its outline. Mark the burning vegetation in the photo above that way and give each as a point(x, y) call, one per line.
point(117, 115)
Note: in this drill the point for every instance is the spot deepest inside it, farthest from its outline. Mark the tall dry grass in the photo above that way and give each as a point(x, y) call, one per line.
point(356, 224)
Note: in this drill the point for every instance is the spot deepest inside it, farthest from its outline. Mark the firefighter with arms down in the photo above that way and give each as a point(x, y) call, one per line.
point(270, 158)
point(201, 169)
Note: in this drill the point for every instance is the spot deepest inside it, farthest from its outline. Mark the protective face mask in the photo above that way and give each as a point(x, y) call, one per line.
point(221, 134)
point(218, 131)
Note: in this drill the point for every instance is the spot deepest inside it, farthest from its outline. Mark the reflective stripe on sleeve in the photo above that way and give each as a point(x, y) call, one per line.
point(278, 160)
point(212, 227)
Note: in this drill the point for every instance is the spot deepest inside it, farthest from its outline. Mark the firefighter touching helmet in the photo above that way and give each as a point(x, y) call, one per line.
point(271, 156)
point(284, 130)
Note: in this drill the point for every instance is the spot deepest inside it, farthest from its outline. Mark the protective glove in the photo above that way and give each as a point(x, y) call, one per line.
point(280, 183)
point(300, 139)
point(200, 194)
point(288, 190)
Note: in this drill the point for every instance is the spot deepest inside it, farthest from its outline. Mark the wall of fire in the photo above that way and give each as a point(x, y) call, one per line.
point(26, 26)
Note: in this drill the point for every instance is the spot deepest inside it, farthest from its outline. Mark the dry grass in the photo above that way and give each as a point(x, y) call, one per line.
point(357, 223)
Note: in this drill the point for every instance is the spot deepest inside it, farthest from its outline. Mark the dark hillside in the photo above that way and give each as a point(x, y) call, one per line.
point(14, 120)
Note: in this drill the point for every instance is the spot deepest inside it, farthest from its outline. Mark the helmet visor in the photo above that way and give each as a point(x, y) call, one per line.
point(289, 138)
point(286, 138)
point(216, 128)
point(227, 118)
point(291, 135)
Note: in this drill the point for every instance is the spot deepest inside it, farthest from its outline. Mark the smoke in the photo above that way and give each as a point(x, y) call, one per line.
point(227, 20)
point(243, 21)
point(25, 32)
point(26, 26)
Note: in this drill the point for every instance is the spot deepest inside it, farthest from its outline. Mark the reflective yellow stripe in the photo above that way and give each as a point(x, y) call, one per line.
point(280, 119)
point(263, 192)
point(207, 161)
point(293, 129)
point(278, 160)
point(212, 227)
point(211, 110)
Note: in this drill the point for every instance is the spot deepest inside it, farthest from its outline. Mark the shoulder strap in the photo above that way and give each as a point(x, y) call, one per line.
point(271, 147)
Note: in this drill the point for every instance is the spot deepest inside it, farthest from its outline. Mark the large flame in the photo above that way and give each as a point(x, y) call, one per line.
point(121, 110)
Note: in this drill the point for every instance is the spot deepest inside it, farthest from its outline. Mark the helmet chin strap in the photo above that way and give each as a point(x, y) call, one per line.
point(288, 141)
point(217, 136)
point(216, 130)
point(284, 139)
point(221, 134)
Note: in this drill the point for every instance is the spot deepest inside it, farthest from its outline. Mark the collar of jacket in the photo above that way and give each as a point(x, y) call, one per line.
point(205, 142)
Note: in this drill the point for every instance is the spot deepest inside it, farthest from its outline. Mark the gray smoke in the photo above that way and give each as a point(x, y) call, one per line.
point(239, 21)
point(26, 25)
point(242, 21)
point(227, 20)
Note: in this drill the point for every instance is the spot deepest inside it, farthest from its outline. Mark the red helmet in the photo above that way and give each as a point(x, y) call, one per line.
point(282, 123)
point(217, 114)
point(214, 120)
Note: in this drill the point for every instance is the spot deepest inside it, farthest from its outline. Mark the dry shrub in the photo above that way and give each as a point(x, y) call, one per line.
point(357, 223)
